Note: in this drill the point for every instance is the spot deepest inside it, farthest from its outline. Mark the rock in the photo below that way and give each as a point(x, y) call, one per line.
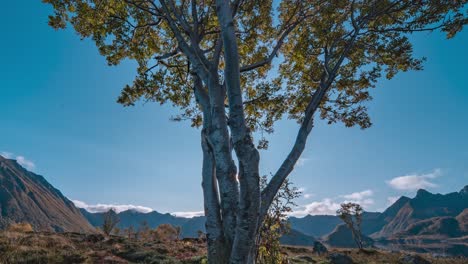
point(94, 238)
point(319, 248)
point(307, 259)
point(338, 258)
point(413, 259)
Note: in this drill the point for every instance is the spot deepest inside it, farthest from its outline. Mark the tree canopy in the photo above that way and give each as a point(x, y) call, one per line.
point(350, 44)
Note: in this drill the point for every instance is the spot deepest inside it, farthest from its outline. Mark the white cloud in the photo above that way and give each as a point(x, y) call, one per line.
point(25, 163)
point(301, 162)
point(303, 190)
point(100, 208)
point(363, 198)
point(29, 165)
point(414, 181)
point(359, 195)
point(188, 214)
point(325, 207)
point(392, 199)
point(328, 206)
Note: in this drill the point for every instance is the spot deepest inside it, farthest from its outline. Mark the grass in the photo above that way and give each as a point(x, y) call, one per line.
point(369, 256)
point(38, 248)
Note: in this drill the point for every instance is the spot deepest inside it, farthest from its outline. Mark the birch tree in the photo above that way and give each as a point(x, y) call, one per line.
point(235, 67)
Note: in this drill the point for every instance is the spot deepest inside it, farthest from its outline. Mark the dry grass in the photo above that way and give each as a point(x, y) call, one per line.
point(20, 227)
point(371, 256)
point(38, 248)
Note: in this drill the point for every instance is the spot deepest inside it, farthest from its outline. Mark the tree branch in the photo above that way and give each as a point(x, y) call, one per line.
point(288, 164)
point(273, 53)
point(197, 59)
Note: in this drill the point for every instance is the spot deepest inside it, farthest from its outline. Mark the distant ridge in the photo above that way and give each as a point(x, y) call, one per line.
point(132, 218)
point(28, 197)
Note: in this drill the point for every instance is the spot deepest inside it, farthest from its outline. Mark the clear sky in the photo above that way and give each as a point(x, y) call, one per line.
point(58, 112)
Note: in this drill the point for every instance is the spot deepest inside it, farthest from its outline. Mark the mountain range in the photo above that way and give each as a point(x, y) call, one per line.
point(426, 223)
point(135, 219)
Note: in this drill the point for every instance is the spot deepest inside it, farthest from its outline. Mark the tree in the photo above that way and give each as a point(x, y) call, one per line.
point(144, 231)
point(130, 233)
point(275, 223)
point(235, 67)
point(110, 221)
point(167, 232)
point(351, 214)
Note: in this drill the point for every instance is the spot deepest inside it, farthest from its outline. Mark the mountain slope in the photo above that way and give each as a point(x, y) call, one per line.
point(342, 237)
point(28, 197)
point(297, 238)
point(462, 219)
point(425, 206)
point(315, 225)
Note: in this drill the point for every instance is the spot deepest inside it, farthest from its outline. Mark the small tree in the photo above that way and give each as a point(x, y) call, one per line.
point(110, 221)
point(201, 235)
point(130, 232)
point(275, 224)
point(117, 231)
point(179, 231)
point(167, 232)
point(144, 232)
point(351, 214)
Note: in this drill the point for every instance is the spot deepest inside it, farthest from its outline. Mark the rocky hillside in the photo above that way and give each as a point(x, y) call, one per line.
point(28, 197)
point(341, 237)
point(425, 206)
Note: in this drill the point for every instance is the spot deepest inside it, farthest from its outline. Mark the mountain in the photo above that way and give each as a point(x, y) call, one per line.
point(462, 219)
point(132, 218)
point(28, 197)
point(425, 206)
point(375, 224)
point(297, 238)
point(189, 226)
point(436, 223)
point(321, 225)
point(342, 237)
point(315, 225)
point(445, 226)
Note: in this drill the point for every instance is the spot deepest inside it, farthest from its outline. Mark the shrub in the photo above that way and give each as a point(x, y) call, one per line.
point(20, 227)
point(167, 232)
point(110, 222)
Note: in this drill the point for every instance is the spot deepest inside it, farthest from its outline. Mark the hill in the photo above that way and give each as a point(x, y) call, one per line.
point(28, 197)
point(297, 238)
point(341, 237)
point(315, 225)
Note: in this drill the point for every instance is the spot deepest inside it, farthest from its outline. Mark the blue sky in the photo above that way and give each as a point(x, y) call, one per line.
point(59, 113)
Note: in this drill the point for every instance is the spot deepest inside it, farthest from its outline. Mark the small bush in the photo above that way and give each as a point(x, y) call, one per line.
point(20, 228)
point(167, 232)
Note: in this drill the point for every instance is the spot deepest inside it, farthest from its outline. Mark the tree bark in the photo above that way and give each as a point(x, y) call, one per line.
point(247, 154)
point(213, 225)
